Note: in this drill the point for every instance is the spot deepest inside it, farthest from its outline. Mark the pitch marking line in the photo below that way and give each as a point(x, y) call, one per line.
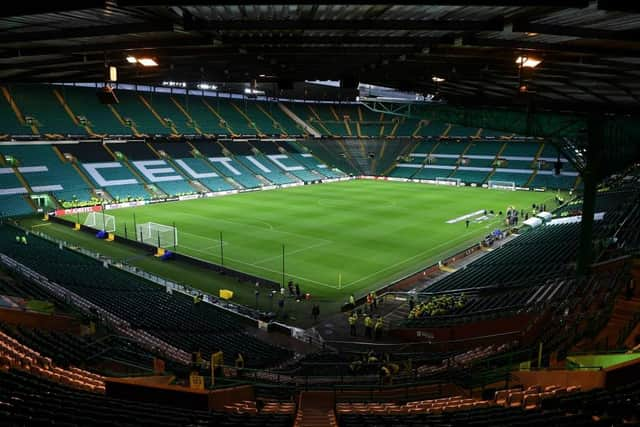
point(40, 225)
point(306, 248)
point(224, 242)
point(271, 227)
point(467, 216)
point(407, 259)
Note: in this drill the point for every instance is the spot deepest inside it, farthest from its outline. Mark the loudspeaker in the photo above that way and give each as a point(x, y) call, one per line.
point(106, 95)
point(557, 167)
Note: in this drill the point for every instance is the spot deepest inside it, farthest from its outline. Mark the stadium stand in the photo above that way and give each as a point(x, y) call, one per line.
point(133, 109)
point(13, 122)
point(46, 171)
point(100, 119)
point(16, 355)
point(174, 318)
point(479, 161)
point(39, 103)
point(28, 400)
point(170, 113)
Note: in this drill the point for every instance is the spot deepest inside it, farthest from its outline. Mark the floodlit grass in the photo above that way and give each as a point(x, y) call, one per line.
point(339, 238)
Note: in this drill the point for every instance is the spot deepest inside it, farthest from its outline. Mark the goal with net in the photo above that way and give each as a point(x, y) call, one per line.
point(502, 185)
point(101, 221)
point(159, 235)
point(448, 181)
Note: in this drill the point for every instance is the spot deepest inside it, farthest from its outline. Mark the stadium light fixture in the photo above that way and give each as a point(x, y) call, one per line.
point(132, 59)
point(206, 86)
point(251, 91)
point(171, 83)
point(147, 62)
point(528, 61)
point(437, 79)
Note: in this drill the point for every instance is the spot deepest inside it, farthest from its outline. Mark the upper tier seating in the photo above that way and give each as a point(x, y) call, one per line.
point(99, 117)
point(477, 162)
point(170, 113)
point(40, 103)
point(10, 123)
point(132, 108)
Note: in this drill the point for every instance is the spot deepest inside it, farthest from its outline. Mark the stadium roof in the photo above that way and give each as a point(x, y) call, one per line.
point(590, 50)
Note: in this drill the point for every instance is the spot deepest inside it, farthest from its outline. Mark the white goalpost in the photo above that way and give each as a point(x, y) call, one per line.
point(101, 221)
point(448, 181)
point(159, 235)
point(502, 185)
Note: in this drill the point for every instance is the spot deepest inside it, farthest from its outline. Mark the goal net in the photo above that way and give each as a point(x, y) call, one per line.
point(502, 185)
point(101, 221)
point(159, 235)
point(448, 181)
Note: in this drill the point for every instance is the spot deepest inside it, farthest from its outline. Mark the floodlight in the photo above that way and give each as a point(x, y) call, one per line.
point(147, 62)
point(527, 61)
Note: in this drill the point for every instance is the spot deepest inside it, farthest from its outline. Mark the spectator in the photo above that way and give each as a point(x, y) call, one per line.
point(368, 326)
point(315, 312)
point(353, 319)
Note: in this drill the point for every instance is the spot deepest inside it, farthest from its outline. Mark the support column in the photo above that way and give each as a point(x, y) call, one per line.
point(590, 176)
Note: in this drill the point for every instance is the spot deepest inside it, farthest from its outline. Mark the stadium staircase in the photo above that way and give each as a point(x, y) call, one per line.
point(357, 155)
point(404, 151)
point(17, 113)
point(224, 123)
point(151, 189)
point(170, 125)
point(74, 164)
point(615, 333)
point(316, 409)
point(250, 122)
point(275, 123)
point(304, 125)
point(191, 182)
point(126, 123)
point(198, 155)
point(190, 121)
point(70, 112)
point(40, 103)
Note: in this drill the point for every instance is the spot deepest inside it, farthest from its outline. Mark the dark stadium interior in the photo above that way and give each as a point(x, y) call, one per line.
point(457, 184)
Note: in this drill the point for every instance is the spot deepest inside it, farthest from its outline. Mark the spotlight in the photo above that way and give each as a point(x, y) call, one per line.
point(528, 61)
point(147, 62)
point(437, 79)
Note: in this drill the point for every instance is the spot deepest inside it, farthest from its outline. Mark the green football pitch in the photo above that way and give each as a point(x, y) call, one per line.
point(338, 238)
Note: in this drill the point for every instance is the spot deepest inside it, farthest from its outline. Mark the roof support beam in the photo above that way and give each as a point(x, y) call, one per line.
point(94, 31)
point(23, 8)
point(578, 32)
point(559, 4)
point(192, 23)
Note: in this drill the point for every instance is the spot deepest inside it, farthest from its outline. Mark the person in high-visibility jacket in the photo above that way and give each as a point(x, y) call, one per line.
point(385, 375)
point(368, 326)
point(353, 319)
point(239, 362)
point(378, 328)
point(352, 300)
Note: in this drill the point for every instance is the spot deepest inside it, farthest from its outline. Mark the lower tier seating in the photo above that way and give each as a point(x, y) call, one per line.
point(26, 400)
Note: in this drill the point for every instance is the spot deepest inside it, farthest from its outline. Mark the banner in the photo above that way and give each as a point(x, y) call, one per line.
point(86, 209)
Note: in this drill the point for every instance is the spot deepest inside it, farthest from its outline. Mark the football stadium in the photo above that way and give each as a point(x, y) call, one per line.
point(333, 214)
